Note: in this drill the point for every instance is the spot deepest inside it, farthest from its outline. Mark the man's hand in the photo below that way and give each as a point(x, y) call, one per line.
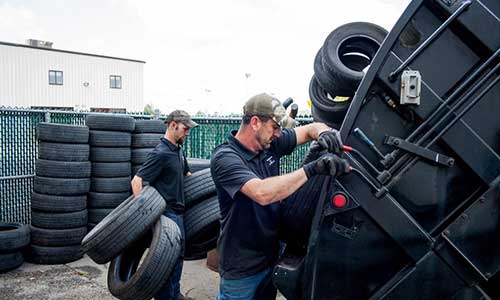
point(328, 164)
point(314, 152)
point(330, 140)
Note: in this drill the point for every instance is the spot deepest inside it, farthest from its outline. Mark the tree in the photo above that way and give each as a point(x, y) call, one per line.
point(149, 109)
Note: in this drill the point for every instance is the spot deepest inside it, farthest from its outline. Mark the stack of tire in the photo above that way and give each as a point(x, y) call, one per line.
point(146, 136)
point(110, 141)
point(59, 198)
point(13, 238)
point(339, 67)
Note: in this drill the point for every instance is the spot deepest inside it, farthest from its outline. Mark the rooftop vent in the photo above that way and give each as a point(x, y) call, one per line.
point(38, 43)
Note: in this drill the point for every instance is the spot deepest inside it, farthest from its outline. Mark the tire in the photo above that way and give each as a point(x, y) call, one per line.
point(110, 122)
point(96, 215)
point(135, 169)
point(106, 200)
point(62, 133)
point(63, 152)
point(360, 40)
point(52, 203)
point(139, 156)
point(124, 225)
point(53, 255)
point(13, 236)
point(150, 126)
point(107, 154)
point(146, 140)
point(99, 138)
point(59, 220)
point(61, 186)
point(197, 187)
point(322, 75)
point(202, 225)
point(324, 109)
point(198, 164)
point(111, 169)
point(10, 261)
point(144, 282)
point(110, 185)
point(57, 237)
point(62, 169)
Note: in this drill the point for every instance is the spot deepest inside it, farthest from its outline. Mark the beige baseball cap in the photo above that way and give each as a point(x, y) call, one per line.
point(266, 106)
point(181, 116)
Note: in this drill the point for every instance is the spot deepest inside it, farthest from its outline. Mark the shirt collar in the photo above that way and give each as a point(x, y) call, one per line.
point(170, 145)
point(233, 141)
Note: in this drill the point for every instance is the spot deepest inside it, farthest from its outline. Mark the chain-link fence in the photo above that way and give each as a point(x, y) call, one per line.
point(19, 150)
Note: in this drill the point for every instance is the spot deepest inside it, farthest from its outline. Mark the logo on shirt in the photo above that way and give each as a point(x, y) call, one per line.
point(270, 161)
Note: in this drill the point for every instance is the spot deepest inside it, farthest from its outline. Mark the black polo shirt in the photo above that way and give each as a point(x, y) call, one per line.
point(248, 241)
point(164, 169)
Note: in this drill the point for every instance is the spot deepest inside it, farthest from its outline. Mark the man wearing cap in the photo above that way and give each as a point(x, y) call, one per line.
point(165, 169)
point(245, 170)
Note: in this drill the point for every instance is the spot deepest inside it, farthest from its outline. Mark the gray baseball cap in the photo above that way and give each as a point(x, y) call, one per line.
point(182, 117)
point(266, 106)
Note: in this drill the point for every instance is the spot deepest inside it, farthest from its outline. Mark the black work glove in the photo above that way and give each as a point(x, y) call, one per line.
point(331, 141)
point(315, 151)
point(328, 164)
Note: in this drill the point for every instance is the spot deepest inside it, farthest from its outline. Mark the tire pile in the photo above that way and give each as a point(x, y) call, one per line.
point(146, 136)
point(59, 198)
point(13, 238)
point(339, 68)
point(110, 141)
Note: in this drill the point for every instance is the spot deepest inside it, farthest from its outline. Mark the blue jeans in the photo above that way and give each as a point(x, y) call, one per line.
point(172, 288)
point(243, 288)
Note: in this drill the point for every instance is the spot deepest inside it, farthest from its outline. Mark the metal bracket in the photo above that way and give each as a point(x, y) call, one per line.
point(345, 231)
point(410, 87)
point(419, 151)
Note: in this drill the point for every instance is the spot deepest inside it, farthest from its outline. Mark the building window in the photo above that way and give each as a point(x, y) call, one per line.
point(55, 77)
point(115, 81)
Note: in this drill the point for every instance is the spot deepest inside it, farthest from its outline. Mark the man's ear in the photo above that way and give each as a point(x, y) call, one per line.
point(255, 122)
point(172, 125)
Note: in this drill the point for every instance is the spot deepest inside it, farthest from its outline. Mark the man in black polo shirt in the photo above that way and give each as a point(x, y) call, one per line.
point(245, 170)
point(165, 169)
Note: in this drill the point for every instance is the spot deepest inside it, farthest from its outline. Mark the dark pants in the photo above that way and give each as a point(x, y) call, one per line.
point(172, 288)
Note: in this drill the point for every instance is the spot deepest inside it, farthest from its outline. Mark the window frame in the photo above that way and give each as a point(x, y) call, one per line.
point(113, 82)
point(55, 77)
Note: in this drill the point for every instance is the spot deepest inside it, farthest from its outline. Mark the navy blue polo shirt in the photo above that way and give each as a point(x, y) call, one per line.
point(248, 241)
point(164, 169)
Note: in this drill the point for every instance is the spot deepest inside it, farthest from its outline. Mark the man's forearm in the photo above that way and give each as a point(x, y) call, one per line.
point(310, 132)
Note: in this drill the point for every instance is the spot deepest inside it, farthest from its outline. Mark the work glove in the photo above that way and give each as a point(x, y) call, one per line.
point(314, 152)
point(330, 140)
point(328, 164)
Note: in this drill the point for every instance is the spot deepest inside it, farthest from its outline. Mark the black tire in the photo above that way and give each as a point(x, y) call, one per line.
point(52, 203)
point(57, 237)
point(124, 225)
point(62, 133)
point(324, 109)
point(144, 282)
point(107, 154)
point(140, 155)
point(53, 255)
point(135, 169)
point(13, 236)
point(106, 200)
point(63, 152)
point(96, 215)
point(110, 185)
point(110, 122)
point(99, 138)
point(202, 225)
point(360, 40)
point(62, 169)
point(146, 140)
point(111, 169)
point(198, 187)
point(322, 75)
point(59, 220)
point(10, 261)
point(150, 126)
point(61, 186)
point(198, 164)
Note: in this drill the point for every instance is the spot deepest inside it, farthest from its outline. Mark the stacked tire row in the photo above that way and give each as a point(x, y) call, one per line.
point(339, 67)
point(110, 141)
point(146, 136)
point(13, 238)
point(59, 198)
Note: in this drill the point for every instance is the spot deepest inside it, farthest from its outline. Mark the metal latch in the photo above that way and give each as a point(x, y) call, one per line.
point(410, 87)
point(419, 151)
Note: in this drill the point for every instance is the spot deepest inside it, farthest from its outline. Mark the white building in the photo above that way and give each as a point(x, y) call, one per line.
point(38, 76)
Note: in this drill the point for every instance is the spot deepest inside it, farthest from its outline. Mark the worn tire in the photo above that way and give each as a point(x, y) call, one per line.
point(100, 138)
point(110, 185)
point(96, 215)
point(61, 186)
point(53, 255)
point(108, 154)
point(324, 109)
point(62, 169)
point(146, 140)
point(10, 261)
point(111, 169)
point(322, 75)
point(52, 203)
point(140, 155)
point(63, 152)
point(202, 225)
point(106, 200)
point(198, 187)
point(57, 237)
point(144, 282)
point(150, 126)
point(62, 133)
point(13, 236)
point(110, 122)
point(124, 225)
point(59, 220)
point(198, 164)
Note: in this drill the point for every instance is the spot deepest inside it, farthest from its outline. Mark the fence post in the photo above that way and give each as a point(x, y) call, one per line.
point(47, 117)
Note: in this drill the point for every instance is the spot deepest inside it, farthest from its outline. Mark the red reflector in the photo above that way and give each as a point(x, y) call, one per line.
point(339, 200)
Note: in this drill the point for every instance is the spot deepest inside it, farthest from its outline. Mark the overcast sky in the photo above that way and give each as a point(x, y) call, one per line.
point(198, 52)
